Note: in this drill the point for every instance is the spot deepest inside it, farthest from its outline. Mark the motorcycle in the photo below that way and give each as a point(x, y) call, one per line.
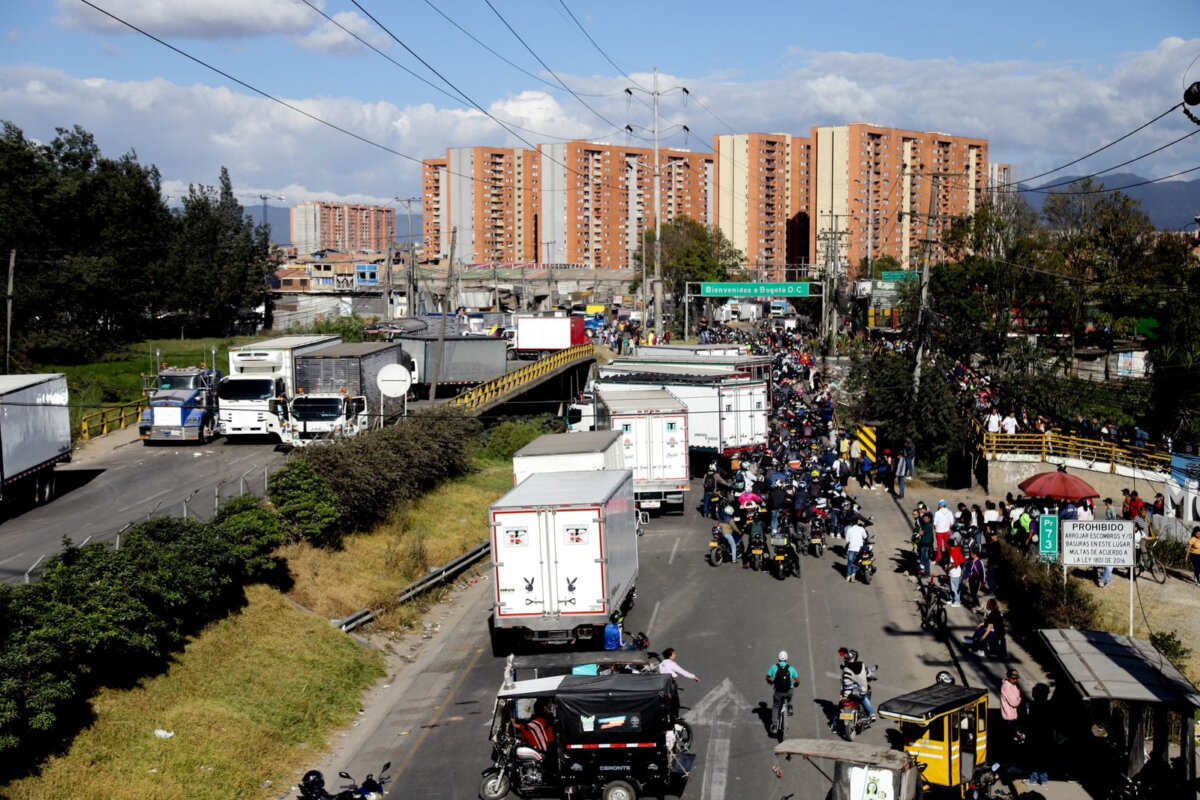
point(816, 535)
point(866, 561)
point(758, 546)
point(982, 781)
point(933, 606)
point(786, 559)
point(370, 789)
point(852, 717)
point(718, 548)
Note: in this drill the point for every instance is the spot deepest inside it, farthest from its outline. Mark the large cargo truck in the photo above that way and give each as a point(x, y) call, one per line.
point(338, 394)
point(253, 399)
point(539, 337)
point(469, 360)
point(35, 434)
point(183, 403)
point(653, 424)
point(569, 452)
point(565, 555)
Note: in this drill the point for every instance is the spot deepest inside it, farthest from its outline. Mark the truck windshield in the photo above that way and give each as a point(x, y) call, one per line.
point(315, 409)
point(177, 381)
point(255, 389)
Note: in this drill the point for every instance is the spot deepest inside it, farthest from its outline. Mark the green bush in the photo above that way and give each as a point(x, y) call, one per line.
point(1169, 645)
point(255, 531)
point(304, 500)
point(1037, 596)
point(505, 439)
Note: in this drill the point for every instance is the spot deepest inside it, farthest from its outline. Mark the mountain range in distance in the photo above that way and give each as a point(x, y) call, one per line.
point(1170, 205)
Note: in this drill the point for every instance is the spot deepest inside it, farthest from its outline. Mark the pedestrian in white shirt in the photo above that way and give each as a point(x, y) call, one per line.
point(1009, 424)
point(943, 521)
point(993, 422)
point(670, 666)
point(856, 537)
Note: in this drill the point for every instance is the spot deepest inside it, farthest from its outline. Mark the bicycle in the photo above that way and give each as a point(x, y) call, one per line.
point(785, 710)
point(1148, 561)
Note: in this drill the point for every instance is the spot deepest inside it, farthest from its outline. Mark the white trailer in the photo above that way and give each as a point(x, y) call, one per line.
point(252, 400)
point(564, 551)
point(653, 424)
point(701, 350)
point(538, 337)
point(569, 452)
point(35, 434)
point(338, 394)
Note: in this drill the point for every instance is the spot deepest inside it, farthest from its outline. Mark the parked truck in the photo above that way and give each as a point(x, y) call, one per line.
point(182, 403)
point(539, 337)
point(35, 434)
point(253, 399)
point(653, 424)
point(564, 550)
point(469, 360)
point(569, 452)
point(338, 394)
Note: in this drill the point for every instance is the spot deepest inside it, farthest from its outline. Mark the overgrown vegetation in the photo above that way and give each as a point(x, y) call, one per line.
point(506, 438)
point(1037, 596)
point(1175, 651)
point(249, 700)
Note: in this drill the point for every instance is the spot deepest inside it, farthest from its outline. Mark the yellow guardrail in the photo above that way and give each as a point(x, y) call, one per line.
point(106, 420)
point(1098, 455)
point(505, 385)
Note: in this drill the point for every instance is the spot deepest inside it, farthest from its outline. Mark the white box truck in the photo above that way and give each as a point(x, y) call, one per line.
point(252, 400)
point(338, 394)
point(35, 434)
point(565, 555)
point(538, 337)
point(569, 452)
point(653, 424)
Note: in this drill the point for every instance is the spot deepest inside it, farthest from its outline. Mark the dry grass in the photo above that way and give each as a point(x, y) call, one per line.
point(372, 568)
point(250, 700)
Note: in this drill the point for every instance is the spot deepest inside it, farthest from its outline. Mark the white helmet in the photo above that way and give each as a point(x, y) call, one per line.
point(783, 655)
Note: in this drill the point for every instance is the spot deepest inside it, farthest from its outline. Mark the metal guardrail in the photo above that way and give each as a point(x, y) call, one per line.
point(436, 577)
point(1096, 454)
point(497, 389)
point(106, 420)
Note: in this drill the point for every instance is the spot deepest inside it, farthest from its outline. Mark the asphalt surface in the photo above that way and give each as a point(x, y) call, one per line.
point(727, 623)
point(101, 494)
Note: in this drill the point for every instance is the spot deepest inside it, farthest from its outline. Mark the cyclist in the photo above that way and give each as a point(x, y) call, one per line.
point(783, 679)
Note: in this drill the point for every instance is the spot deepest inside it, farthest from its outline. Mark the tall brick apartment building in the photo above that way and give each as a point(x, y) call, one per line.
point(341, 226)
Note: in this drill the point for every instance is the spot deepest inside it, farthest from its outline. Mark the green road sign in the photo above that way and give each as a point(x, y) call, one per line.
point(898, 276)
point(1048, 535)
point(759, 290)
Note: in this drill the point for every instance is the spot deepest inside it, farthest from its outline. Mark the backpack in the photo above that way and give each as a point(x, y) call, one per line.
point(710, 482)
point(783, 677)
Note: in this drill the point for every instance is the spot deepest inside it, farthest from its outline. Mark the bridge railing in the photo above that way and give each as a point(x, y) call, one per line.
point(497, 389)
point(1060, 448)
point(107, 420)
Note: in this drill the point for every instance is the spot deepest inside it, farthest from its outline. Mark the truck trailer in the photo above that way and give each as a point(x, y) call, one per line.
point(564, 551)
point(653, 424)
point(35, 434)
point(569, 452)
point(539, 337)
point(469, 361)
point(253, 399)
point(338, 394)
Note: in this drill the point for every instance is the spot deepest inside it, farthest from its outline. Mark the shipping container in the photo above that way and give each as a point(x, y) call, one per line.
point(470, 360)
point(569, 452)
point(538, 337)
point(35, 434)
point(565, 556)
point(653, 424)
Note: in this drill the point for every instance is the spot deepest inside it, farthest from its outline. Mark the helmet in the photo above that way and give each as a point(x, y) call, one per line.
point(313, 779)
point(728, 510)
point(816, 473)
point(712, 467)
point(852, 655)
point(843, 652)
point(783, 655)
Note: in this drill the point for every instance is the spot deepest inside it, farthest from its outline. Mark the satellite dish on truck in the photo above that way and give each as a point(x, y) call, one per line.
point(394, 380)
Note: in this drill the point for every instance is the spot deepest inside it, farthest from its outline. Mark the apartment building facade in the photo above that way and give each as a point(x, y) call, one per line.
point(872, 192)
point(317, 226)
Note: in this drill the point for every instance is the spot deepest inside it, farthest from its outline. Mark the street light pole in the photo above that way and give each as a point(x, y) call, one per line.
point(658, 292)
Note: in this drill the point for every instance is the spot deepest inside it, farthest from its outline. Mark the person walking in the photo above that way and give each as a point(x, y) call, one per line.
point(856, 537)
point(1011, 700)
point(925, 542)
point(901, 472)
point(670, 666)
point(943, 522)
point(1194, 552)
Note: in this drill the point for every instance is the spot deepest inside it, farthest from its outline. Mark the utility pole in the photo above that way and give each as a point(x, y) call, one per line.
point(410, 288)
point(870, 222)
point(387, 285)
point(645, 311)
point(437, 364)
point(8, 298)
point(933, 190)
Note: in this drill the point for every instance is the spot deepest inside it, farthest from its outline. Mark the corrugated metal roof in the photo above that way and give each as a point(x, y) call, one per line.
point(592, 487)
point(1105, 666)
point(620, 402)
point(11, 383)
point(558, 444)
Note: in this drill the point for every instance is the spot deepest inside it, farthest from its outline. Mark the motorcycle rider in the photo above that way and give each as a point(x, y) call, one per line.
point(730, 530)
point(856, 537)
point(855, 674)
point(783, 679)
point(777, 501)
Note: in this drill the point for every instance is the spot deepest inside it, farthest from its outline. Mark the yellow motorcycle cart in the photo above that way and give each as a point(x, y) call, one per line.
point(944, 727)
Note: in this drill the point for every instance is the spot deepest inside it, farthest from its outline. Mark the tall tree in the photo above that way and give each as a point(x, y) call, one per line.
point(691, 252)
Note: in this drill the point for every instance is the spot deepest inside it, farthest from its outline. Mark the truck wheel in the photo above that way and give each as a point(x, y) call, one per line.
point(510, 355)
point(494, 785)
point(504, 642)
point(618, 790)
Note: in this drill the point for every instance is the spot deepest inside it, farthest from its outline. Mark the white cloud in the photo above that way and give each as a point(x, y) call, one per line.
point(194, 19)
point(329, 38)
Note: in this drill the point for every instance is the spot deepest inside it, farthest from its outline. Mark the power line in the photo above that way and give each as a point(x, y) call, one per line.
point(1070, 181)
point(599, 49)
point(1123, 188)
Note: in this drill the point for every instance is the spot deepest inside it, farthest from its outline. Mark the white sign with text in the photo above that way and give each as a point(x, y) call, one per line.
point(1097, 543)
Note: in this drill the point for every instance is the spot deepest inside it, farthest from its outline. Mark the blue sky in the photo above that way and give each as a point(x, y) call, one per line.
point(1044, 81)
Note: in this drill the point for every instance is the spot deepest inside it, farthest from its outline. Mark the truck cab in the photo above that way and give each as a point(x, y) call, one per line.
point(324, 417)
point(183, 405)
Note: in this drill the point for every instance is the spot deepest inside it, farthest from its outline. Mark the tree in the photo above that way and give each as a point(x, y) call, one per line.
point(691, 252)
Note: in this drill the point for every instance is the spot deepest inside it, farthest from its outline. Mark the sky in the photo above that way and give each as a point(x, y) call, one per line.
point(1044, 81)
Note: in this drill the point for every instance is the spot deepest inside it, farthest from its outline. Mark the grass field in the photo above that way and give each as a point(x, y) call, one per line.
point(251, 700)
point(117, 378)
point(373, 567)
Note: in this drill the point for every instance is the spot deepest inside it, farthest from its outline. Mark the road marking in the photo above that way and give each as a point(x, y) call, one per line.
point(429, 726)
point(12, 558)
point(812, 666)
point(145, 500)
point(674, 550)
point(718, 709)
point(653, 618)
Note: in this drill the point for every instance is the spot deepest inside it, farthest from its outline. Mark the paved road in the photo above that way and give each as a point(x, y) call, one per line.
point(727, 623)
point(100, 493)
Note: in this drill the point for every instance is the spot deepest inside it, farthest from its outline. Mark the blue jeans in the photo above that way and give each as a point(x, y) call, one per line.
point(708, 496)
point(991, 577)
point(851, 564)
point(867, 705)
point(899, 486)
point(1106, 579)
point(729, 537)
point(775, 521)
point(923, 553)
point(955, 587)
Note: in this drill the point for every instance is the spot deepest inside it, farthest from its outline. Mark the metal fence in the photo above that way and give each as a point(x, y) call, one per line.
point(1054, 447)
point(493, 391)
point(107, 420)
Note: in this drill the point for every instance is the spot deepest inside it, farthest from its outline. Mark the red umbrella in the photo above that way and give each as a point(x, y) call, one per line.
point(1057, 486)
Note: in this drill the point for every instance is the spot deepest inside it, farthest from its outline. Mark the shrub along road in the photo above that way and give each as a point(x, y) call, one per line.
point(727, 623)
